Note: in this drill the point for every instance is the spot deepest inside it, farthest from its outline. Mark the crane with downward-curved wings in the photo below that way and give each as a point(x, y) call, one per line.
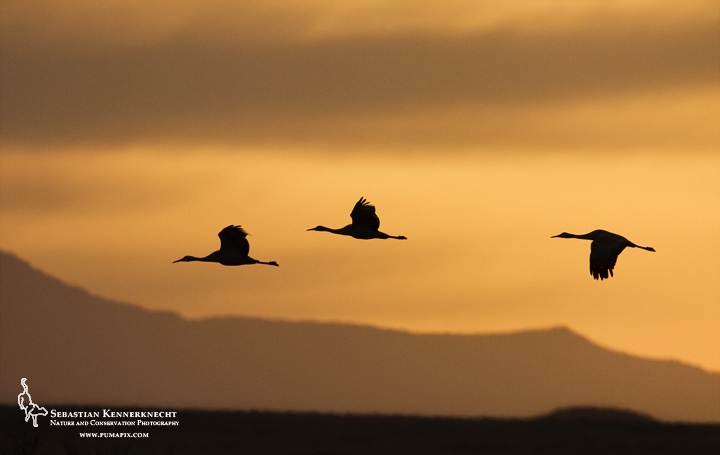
point(604, 250)
point(234, 249)
point(365, 224)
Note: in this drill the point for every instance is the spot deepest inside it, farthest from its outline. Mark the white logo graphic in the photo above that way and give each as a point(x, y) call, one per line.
point(27, 405)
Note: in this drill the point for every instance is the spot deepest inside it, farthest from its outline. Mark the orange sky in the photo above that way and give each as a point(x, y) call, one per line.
point(478, 132)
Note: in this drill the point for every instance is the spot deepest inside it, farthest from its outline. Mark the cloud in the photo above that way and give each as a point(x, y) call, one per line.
point(185, 79)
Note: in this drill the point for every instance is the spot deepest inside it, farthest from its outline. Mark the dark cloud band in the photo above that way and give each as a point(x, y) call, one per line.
point(70, 92)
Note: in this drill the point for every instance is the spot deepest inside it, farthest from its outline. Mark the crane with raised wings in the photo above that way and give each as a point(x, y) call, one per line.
point(365, 224)
point(234, 249)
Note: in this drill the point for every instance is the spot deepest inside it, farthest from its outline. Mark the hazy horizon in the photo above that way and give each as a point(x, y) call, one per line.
point(349, 323)
point(131, 133)
point(88, 350)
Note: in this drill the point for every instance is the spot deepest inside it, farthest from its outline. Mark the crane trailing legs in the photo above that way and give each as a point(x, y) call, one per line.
point(604, 250)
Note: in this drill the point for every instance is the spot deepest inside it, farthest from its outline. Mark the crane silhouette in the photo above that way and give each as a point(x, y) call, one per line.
point(365, 224)
point(604, 250)
point(234, 249)
point(26, 404)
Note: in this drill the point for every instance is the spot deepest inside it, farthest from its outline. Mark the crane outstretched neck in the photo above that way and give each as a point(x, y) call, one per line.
point(325, 229)
point(589, 236)
point(189, 259)
point(647, 248)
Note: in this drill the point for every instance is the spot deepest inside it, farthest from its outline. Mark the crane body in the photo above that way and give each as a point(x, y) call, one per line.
point(365, 224)
point(234, 249)
point(604, 250)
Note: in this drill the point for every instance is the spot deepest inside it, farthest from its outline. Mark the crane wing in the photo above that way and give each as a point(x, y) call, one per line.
point(604, 252)
point(363, 215)
point(233, 240)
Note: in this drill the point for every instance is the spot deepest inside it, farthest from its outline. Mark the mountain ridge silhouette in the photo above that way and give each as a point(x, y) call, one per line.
point(76, 348)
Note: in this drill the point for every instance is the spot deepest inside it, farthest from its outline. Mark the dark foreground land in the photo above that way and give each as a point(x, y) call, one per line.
point(579, 431)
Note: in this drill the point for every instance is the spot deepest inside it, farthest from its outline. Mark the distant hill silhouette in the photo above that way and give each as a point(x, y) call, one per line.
point(75, 348)
point(596, 414)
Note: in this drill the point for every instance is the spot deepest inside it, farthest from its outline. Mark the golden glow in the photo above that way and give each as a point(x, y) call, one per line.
point(479, 255)
point(134, 22)
point(132, 132)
